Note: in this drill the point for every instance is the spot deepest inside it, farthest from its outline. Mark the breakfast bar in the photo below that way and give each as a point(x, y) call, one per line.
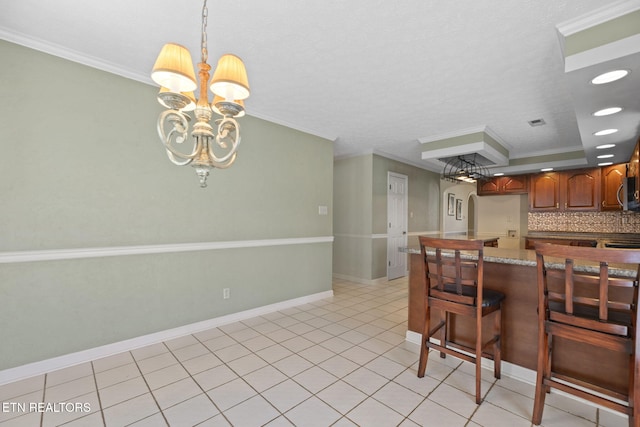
point(513, 272)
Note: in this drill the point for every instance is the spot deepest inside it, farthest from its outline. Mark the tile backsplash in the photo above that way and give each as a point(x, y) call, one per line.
point(585, 222)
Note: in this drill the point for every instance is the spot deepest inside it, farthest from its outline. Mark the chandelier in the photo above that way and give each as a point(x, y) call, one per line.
point(173, 71)
point(467, 168)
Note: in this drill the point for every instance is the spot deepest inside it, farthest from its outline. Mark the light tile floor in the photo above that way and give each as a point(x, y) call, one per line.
point(341, 361)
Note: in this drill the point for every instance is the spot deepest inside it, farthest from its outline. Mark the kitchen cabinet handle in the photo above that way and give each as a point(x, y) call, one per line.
point(557, 205)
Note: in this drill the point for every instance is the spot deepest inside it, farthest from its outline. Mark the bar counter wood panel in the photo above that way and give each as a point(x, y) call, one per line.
point(520, 323)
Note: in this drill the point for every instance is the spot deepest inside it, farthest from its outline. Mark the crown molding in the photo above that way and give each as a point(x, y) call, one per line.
point(100, 64)
point(603, 14)
point(454, 134)
point(314, 132)
point(72, 55)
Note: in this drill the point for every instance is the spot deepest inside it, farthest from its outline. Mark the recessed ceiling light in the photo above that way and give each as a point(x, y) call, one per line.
point(605, 156)
point(609, 77)
point(546, 169)
point(605, 132)
point(498, 174)
point(603, 146)
point(607, 111)
point(605, 164)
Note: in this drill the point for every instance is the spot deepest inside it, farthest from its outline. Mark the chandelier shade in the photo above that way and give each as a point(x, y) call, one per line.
point(230, 78)
point(174, 69)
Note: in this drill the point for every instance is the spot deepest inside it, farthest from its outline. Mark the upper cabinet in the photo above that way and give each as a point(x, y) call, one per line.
point(611, 183)
point(593, 189)
point(544, 194)
point(575, 190)
point(518, 184)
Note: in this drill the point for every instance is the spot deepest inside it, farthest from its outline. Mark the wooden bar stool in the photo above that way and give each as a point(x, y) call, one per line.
point(454, 286)
point(596, 305)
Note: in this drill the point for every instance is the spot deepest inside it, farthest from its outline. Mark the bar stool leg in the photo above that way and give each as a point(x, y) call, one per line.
point(634, 381)
point(444, 330)
point(544, 367)
point(497, 345)
point(424, 348)
point(478, 360)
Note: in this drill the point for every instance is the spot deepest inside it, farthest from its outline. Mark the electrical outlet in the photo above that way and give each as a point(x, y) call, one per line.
point(225, 293)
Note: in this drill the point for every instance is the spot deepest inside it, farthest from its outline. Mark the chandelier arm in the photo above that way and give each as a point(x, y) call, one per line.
point(177, 162)
point(223, 132)
point(226, 164)
point(179, 124)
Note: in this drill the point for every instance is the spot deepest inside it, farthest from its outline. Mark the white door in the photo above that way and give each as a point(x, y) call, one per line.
point(397, 197)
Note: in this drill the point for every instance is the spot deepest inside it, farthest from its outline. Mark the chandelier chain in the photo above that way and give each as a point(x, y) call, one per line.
point(205, 16)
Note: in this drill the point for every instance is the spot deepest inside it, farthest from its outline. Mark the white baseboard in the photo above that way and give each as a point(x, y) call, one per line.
point(67, 360)
point(360, 280)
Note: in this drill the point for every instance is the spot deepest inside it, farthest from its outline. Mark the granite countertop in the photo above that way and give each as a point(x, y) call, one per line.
point(503, 256)
point(461, 235)
point(527, 257)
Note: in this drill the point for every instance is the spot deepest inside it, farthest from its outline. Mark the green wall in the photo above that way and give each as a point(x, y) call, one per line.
point(352, 201)
point(82, 167)
point(360, 200)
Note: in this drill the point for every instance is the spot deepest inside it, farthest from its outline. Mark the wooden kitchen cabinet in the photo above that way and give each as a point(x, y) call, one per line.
point(582, 190)
point(518, 184)
point(611, 181)
point(575, 190)
point(544, 192)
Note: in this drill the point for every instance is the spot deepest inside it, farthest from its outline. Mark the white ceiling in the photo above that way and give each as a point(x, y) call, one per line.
point(374, 75)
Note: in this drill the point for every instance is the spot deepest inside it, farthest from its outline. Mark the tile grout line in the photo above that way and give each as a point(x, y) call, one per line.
point(150, 392)
point(198, 384)
point(482, 401)
point(313, 364)
point(275, 367)
point(95, 381)
point(44, 392)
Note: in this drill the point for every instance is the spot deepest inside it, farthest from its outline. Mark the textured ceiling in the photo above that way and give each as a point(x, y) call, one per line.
point(373, 75)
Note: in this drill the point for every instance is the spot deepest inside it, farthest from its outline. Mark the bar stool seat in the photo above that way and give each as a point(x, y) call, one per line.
point(489, 296)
